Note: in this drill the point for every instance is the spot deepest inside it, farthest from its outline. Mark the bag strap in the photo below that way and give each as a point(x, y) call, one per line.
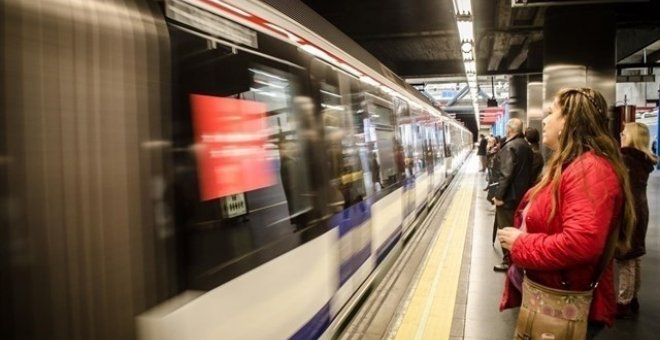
point(605, 258)
point(608, 252)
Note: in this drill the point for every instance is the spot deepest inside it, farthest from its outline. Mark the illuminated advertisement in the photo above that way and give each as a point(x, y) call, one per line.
point(230, 135)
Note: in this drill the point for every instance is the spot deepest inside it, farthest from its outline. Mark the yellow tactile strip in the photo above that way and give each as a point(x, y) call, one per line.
point(429, 311)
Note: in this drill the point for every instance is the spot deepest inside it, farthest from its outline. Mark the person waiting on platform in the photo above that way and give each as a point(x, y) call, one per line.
point(481, 152)
point(566, 219)
point(640, 163)
point(512, 173)
point(532, 137)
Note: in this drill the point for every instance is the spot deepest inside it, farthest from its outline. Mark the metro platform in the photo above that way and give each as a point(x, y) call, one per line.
point(446, 287)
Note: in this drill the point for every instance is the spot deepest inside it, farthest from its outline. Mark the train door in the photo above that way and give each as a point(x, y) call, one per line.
point(406, 153)
point(448, 148)
point(351, 182)
point(421, 175)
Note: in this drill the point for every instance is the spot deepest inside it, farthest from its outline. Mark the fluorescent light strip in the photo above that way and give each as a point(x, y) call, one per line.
point(462, 7)
point(464, 23)
point(465, 30)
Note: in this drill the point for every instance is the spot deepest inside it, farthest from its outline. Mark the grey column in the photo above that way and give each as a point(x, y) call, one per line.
point(579, 50)
point(535, 105)
point(518, 97)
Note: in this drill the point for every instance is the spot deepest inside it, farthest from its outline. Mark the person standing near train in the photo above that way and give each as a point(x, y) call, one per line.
point(481, 152)
point(564, 223)
point(513, 175)
point(640, 163)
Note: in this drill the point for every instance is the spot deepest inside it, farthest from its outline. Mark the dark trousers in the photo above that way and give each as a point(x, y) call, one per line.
point(593, 329)
point(504, 218)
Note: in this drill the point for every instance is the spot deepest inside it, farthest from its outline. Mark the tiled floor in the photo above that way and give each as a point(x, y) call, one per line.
point(483, 319)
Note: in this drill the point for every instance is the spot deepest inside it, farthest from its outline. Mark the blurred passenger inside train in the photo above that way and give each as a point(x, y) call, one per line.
point(312, 147)
point(375, 171)
point(400, 158)
point(577, 214)
point(640, 163)
point(512, 173)
point(532, 137)
point(292, 174)
point(481, 152)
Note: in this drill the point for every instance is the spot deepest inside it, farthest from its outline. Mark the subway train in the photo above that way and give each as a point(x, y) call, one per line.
point(202, 169)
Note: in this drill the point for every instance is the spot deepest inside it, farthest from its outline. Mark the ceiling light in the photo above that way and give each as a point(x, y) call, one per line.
point(463, 7)
point(466, 47)
point(470, 67)
point(465, 30)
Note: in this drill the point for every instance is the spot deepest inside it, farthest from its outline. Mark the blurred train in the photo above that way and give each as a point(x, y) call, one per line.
point(201, 169)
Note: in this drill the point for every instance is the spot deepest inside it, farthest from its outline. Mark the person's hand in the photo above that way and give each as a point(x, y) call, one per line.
point(508, 236)
point(497, 202)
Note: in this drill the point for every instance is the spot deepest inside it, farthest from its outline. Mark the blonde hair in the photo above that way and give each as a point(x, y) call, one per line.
point(586, 129)
point(639, 137)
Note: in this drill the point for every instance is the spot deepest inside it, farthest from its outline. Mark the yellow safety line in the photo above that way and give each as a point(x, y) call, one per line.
point(430, 310)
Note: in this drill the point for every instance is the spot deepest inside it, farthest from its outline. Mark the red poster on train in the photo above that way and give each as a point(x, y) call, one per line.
point(231, 136)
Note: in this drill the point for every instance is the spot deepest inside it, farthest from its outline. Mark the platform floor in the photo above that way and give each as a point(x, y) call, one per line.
point(458, 271)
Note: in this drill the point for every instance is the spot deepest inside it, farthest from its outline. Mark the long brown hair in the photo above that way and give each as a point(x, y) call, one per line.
point(585, 129)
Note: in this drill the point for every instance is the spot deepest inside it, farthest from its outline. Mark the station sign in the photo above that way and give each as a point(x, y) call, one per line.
point(642, 78)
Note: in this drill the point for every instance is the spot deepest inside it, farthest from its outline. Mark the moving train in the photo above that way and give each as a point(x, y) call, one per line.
point(202, 169)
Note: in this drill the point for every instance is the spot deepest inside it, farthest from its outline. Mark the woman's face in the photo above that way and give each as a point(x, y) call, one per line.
point(553, 124)
point(625, 137)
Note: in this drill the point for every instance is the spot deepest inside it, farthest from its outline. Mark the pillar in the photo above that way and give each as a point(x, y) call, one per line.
point(518, 97)
point(579, 51)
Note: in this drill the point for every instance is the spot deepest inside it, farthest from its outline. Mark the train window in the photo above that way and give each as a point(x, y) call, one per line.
point(439, 150)
point(382, 141)
point(419, 141)
point(245, 136)
point(405, 124)
point(344, 130)
point(400, 110)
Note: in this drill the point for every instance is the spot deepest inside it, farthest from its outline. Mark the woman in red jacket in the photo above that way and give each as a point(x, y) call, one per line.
point(571, 211)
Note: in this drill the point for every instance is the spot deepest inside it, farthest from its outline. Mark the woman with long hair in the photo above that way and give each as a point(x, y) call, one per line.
point(640, 161)
point(583, 196)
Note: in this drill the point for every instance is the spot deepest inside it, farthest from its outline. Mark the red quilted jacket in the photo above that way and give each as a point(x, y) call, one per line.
point(589, 204)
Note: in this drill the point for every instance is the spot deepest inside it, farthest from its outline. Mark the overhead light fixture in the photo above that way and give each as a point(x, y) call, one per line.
point(462, 7)
point(465, 30)
point(464, 23)
point(466, 47)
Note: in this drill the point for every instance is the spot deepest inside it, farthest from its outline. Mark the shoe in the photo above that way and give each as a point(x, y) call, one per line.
point(624, 311)
point(634, 305)
point(502, 267)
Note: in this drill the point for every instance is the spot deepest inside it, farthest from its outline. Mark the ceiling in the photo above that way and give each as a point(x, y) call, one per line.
point(418, 39)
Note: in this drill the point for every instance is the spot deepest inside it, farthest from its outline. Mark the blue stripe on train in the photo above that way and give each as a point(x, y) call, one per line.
point(315, 326)
point(350, 218)
point(387, 246)
point(349, 267)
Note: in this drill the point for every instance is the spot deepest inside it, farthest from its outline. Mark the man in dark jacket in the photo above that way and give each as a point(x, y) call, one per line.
point(481, 152)
point(513, 164)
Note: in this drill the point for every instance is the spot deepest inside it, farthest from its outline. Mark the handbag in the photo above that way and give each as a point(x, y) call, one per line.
point(549, 313)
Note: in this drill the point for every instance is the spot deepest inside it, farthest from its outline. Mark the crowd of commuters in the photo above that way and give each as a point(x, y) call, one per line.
point(563, 223)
